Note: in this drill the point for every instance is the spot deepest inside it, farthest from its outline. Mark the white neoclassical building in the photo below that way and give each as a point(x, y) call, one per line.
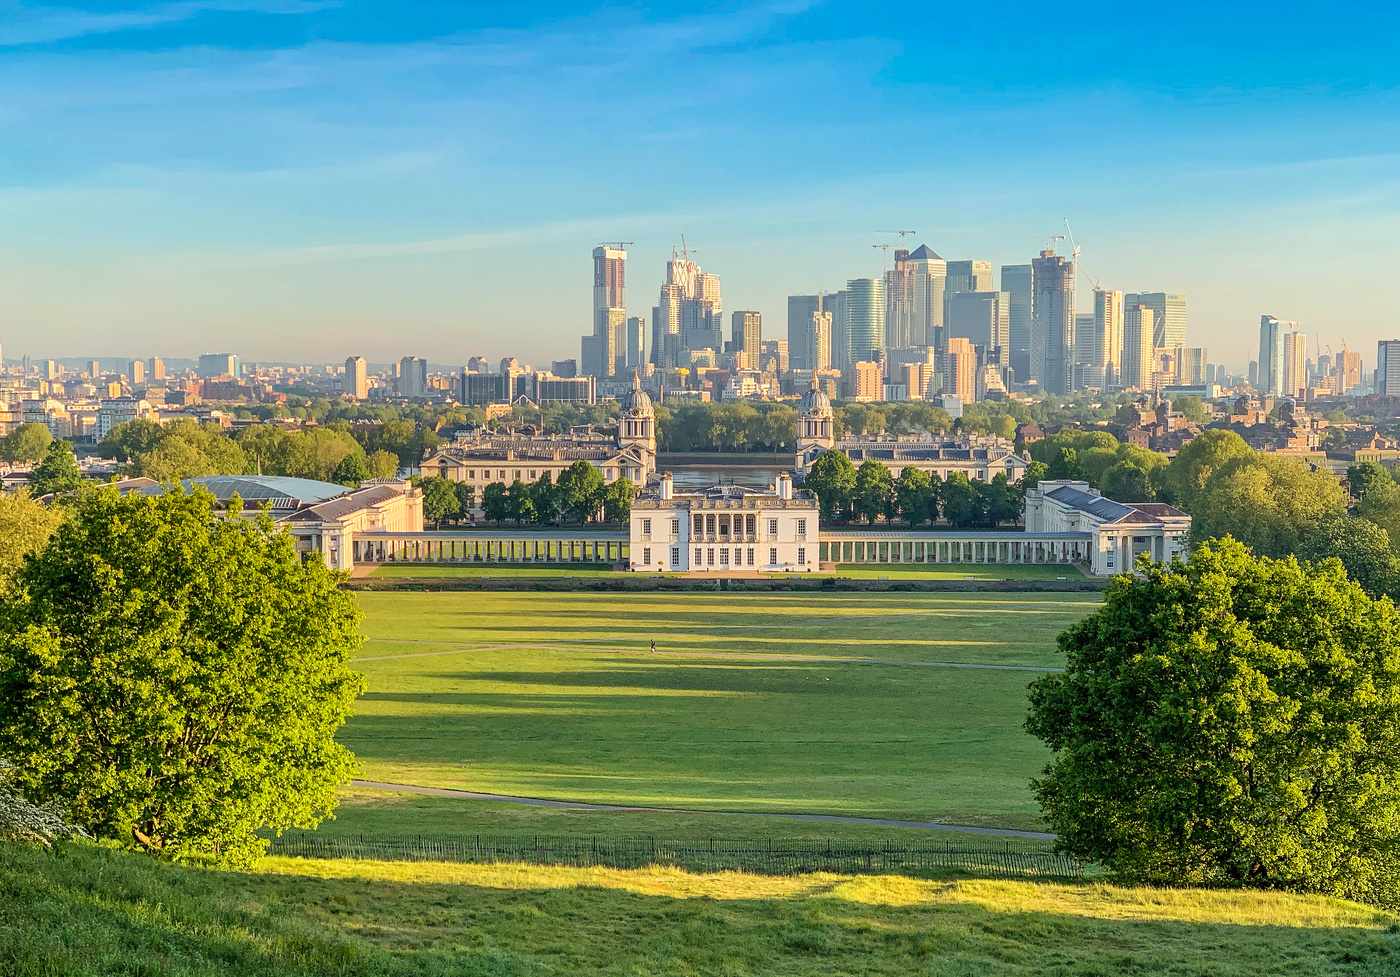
point(1117, 533)
point(724, 529)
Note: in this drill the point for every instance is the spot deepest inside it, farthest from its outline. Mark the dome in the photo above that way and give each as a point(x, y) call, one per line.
point(636, 401)
point(814, 401)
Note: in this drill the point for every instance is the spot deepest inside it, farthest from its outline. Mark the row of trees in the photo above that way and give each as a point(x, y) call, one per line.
point(580, 495)
point(845, 492)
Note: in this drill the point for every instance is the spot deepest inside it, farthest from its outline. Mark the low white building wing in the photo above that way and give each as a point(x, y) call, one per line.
point(1119, 532)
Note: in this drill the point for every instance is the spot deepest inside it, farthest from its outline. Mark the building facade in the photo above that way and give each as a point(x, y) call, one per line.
point(356, 378)
point(1118, 532)
point(865, 319)
point(1052, 322)
point(724, 529)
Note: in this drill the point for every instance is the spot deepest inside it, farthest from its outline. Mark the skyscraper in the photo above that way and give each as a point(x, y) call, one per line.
point(137, 372)
point(157, 368)
point(865, 318)
point(836, 303)
point(1136, 362)
point(1191, 365)
point(799, 328)
point(982, 318)
point(962, 369)
point(606, 354)
point(930, 285)
point(94, 369)
point(636, 342)
point(1388, 367)
point(818, 341)
point(1016, 282)
point(1052, 322)
point(902, 328)
point(218, 364)
point(1294, 380)
point(969, 276)
point(746, 337)
point(1106, 342)
point(1271, 333)
point(689, 315)
point(1168, 316)
point(356, 383)
point(413, 377)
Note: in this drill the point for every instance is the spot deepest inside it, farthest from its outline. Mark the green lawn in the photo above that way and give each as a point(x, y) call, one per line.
point(89, 911)
point(441, 571)
point(556, 695)
point(962, 571)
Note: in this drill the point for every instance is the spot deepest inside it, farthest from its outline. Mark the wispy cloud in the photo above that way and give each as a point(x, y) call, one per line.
point(22, 24)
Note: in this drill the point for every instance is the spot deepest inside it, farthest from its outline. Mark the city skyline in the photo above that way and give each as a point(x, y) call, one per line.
point(317, 177)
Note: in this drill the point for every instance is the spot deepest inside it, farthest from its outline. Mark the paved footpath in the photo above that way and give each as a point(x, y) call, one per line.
point(580, 806)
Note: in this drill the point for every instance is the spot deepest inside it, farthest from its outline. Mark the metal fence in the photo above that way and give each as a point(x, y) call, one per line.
point(761, 857)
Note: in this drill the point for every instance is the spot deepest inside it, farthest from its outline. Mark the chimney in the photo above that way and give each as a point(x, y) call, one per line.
point(784, 485)
point(666, 486)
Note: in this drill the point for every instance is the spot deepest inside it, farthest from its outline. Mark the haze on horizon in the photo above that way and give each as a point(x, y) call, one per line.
point(299, 180)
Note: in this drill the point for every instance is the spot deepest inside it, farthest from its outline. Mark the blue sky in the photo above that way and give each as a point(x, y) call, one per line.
point(303, 180)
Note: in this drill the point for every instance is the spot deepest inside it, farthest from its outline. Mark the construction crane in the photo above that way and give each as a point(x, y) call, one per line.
point(1053, 242)
point(885, 260)
point(900, 233)
point(619, 245)
point(1074, 253)
point(685, 251)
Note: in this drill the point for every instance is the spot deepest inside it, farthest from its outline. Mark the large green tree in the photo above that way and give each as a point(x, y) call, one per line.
point(58, 472)
point(176, 678)
point(1268, 502)
point(27, 443)
point(833, 478)
point(1363, 548)
point(914, 496)
point(439, 499)
point(25, 527)
point(581, 490)
point(1185, 478)
point(1230, 721)
point(874, 492)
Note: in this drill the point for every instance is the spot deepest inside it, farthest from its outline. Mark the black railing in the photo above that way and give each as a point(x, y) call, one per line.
point(762, 857)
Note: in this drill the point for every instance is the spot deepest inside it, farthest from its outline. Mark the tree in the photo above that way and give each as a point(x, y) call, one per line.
point(1230, 721)
point(466, 497)
point(27, 443)
point(382, 464)
point(874, 493)
point(1197, 460)
point(999, 501)
point(914, 498)
point(1265, 501)
point(25, 527)
point(1191, 408)
point(520, 502)
point(495, 502)
point(439, 499)
point(1126, 482)
point(1365, 476)
point(545, 498)
point(174, 452)
point(833, 478)
point(617, 500)
point(959, 501)
point(178, 678)
point(352, 470)
point(1064, 464)
point(58, 472)
point(1362, 547)
point(580, 490)
point(1381, 506)
point(1031, 477)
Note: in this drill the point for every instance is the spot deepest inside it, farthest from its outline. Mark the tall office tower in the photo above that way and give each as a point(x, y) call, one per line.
point(1191, 365)
point(865, 318)
point(746, 337)
point(1168, 316)
point(962, 369)
point(356, 378)
point(866, 381)
point(930, 274)
point(413, 377)
point(1271, 333)
point(775, 350)
point(969, 276)
point(49, 369)
point(982, 318)
point(1107, 345)
point(837, 304)
point(702, 316)
point(1348, 371)
point(902, 326)
point(606, 355)
point(1136, 362)
point(1252, 374)
point(799, 328)
point(818, 341)
point(1087, 370)
point(157, 368)
point(636, 342)
point(137, 372)
point(1294, 379)
point(1388, 367)
point(1016, 282)
point(218, 365)
point(666, 328)
point(1052, 322)
point(94, 369)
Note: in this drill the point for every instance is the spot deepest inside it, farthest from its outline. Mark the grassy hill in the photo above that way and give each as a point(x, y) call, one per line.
point(86, 910)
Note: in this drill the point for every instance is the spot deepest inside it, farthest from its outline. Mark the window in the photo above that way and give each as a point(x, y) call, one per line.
point(502, 475)
point(675, 527)
point(517, 474)
point(749, 523)
point(801, 556)
point(472, 475)
point(646, 556)
point(533, 475)
point(802, 529)
point(750, 556)
point(699, 525)
point(675, 556)
point(710, 524)
point(772, 527)
point(698, 556)
point(724, 557)
point(710, 557)
point(773, 556)
point(646, 531)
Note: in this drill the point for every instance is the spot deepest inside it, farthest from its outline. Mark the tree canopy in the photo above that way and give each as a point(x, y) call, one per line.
point(177, 678)
point(833, 478)
point(58, 472)
point(27, 443)
point(1268, 502)
point(1186, 476)
point(25, 527)
point(1230, 721)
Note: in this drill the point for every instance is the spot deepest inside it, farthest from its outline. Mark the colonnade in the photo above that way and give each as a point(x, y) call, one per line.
point(955, 548)
point(478, 548)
